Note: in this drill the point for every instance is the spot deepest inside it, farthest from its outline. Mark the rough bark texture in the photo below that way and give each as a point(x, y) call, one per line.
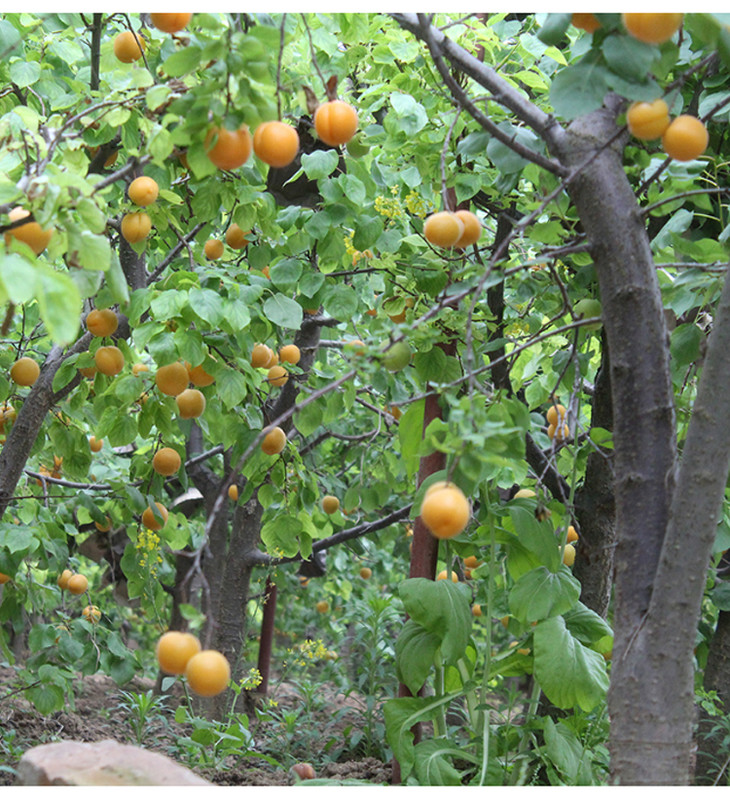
point(595, 507)
point(645, 693)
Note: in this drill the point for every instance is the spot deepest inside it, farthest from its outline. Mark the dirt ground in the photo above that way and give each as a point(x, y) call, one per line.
point(96, 717)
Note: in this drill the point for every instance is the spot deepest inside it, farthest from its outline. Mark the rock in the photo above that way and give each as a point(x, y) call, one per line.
point(101, 763)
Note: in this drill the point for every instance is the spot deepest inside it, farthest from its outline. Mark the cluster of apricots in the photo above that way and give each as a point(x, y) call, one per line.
point(558, 429)
point(136, 226)
point(683, 139)
point(31, 233)
point(207, 671)
point(458, 229)
point(264, 357)
point(236, 238)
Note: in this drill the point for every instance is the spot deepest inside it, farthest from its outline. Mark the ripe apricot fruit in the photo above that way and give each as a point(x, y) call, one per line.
point(208, 673)
point(236, 237)
point(445, 511)
point(276, 143)
point(648, 120)
point(106, 526)
point(35, 237)
point(443, 229)
point(305, 771)
point(174, 649)
point(171, 22)
point(471, 562)
point(445, 575)
point(586, 22)
point(557, 432)
point(4, 578)
point(166, 461)
point(148, 517)
point(652, 28)
point(322, 606)
point(172, 379)
point(139, 367)
point(227, 149)
point(572, 535)
point(25, 371)
point(128, 47)
point(62, 581)
point(260, 356)
point(366, 572)
point(569, 554)
point(190, 404)
point(92, 613)
point(274, 441)
point(213, 249)
point(199, 376)
point(555, 413)
point(330, 504)
point(335, 122)
point(472, 228)
point(95, 444)
point(685, 138)
point(143, 191)
point(77, 584)
point(233, 492)
point(136, 226)
point(476, 610)
point(290, 353)
point(109, 360)
point(278, 376)
point(102, 322)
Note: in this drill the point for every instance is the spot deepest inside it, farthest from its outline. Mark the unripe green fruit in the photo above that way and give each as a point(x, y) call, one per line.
point(397, 356)
point(589, 307)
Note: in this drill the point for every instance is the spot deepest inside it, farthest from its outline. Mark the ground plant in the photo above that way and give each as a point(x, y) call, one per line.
point(363, 393)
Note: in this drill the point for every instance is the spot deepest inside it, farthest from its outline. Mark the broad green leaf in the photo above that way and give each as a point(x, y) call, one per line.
point(540, 593)
point(207, 305)
point(579, 89)
point(320, 163)
point(570, 674)
point(684, 343)
point(410, 430)
point(309, 419)
point(341, 301)
point(25, 73)
point(415, 649)
point(407, 114)
point(280, 535)
point(432, 763)
point(231, 387)
point(628, 57)
point(442, 608)
point(285, 274)
point(553, 29)
point(60, 305)
point(283, 311)
point(19, 278)
point(536, 536)
point(564, 749)
point(586, 625)
point(182, 61)
point(46, 698)
point(367, 231)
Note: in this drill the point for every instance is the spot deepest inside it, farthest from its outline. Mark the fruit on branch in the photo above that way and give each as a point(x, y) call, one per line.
point(569, 554)
point(686, 138)
point(77, 584)
point(149, 520)
point(472, 228)
point(102, 322)
point(652, 28)
point(445, 511)
point(4, 578)
point(445, 575)
point(558, 433)
point(335, 122)
point(25, 371)
point(233, 492)
point(322, 606)
point(213, 249)
point(172, 379)
point(366, 572)
point(96, 444)
point(261, 356)
point(166, 461)
point(471, 562)
point(476, 610)
point(109, 360)
point(572, 535)
point(443, 229)
point(589, 307)
point(143, 191)
point(648, 120)
point(278, 376)
point(290, 353)
point(228, 149)
point(92, 613)
point(330, 504)
point(586, 22)
point(136, 226)
point(274, 441)
point(174, 649)
point(106, 526)
point(190, 404)
point(397, 356)
point(199, 376)
point(62, 581)
point(554, 414)
point(236, 237)
point(208, 673)
point(171, 22)
point(276, 143)
point(128, 47)
point(35, 237)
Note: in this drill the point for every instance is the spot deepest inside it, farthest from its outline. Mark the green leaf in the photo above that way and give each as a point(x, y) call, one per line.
point(18, 278)
point(309, 419)
point(283, 311)
point(540, 593)
point(628, 57)
point(536, 536)
point(207, 305)
point(320, 163)
point(367, 231)
point(46, 698)
point(25, 73)
point(684, 343)
point(578, 89)
point(570, 674)
point(60, 305)
point(586, 625)
point(442, 608)
point(407, 113)
point(553, 29)
point(430, 365)
point(116, 281)
point(285, 274)
point(432, 764)
point(564, 749)
point(340, 301)
point(231, 387)
point(182, 61)
point(281, 534)
point(415, 649)
point(410, 430)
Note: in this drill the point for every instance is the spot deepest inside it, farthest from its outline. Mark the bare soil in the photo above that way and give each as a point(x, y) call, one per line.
point(96, 716)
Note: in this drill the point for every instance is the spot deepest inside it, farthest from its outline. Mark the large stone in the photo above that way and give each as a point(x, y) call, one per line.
point(101, 763)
